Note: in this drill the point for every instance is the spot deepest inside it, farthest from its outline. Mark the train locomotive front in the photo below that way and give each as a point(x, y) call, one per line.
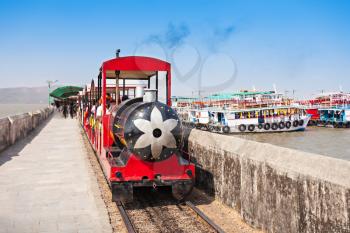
point(149, 136)
point(140, 141)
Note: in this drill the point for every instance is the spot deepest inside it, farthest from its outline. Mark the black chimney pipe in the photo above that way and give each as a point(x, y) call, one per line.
point(117, 53)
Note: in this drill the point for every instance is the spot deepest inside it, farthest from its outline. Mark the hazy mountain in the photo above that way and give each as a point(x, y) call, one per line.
point(24, 95)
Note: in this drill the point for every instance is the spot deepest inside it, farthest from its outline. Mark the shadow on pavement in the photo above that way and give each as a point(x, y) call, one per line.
point(16, 148)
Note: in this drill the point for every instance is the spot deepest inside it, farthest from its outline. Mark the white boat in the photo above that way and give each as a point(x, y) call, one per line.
point(198, 118)
point(259, 120)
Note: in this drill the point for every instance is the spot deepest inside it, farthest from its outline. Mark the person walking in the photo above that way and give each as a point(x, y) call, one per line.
point(65, 110)
point(71, 110)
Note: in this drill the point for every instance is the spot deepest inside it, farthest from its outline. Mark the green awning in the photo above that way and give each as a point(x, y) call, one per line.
point(65, 92)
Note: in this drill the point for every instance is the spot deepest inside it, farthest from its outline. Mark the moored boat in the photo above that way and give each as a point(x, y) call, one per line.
point(334, 117)
point(258, 120)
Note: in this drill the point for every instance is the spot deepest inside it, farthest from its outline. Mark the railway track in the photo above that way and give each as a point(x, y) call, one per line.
point(157, 212)
point(204, 217)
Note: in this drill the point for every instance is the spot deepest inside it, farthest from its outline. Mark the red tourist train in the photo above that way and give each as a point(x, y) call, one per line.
point(135, 133)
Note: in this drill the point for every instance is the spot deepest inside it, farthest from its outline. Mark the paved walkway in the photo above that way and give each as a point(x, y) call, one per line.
point(46, 184)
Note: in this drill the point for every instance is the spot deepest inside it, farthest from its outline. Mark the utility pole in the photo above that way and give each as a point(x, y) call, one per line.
point(286, 93)
point(49, 85)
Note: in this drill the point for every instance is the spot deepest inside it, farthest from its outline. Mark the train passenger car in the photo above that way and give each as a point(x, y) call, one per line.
point(137, 135)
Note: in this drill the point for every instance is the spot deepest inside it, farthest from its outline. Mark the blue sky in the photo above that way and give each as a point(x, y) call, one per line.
point(212, 45)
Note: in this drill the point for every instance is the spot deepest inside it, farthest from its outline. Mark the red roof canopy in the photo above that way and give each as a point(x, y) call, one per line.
point(136, 63)
point(135, 67)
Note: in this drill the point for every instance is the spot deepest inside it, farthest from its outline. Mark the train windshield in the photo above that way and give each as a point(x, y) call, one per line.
point(128, 85)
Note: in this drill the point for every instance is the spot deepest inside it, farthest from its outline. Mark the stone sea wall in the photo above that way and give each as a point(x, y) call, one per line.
point(16, 127)
point(275, 189)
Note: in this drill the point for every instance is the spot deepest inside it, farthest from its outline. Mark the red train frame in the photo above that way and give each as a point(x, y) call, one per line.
point(171, 172)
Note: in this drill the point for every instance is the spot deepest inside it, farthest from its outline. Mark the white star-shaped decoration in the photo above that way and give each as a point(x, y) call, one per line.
point(157, 133)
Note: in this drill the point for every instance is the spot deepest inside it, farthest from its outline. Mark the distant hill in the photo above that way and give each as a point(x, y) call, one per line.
point(24, 95)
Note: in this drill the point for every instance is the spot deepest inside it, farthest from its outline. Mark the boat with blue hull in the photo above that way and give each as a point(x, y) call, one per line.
point(334, 117)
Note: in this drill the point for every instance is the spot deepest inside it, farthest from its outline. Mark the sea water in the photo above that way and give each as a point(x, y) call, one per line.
point(13, 109)
point(332, 142)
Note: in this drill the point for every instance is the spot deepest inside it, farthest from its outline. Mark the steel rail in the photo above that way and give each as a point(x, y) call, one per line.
point(204, 217)
point(125, 218)
point(127, 222)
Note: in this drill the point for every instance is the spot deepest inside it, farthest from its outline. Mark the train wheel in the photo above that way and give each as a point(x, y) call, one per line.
point(260, 126)
point(181, 189)
point(198, 126)
point(210, 128)
point(347, 125)
point(242, 128)
point(122, 192)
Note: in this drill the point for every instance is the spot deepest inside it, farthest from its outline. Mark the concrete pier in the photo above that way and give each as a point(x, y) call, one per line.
point(14, 128)
point(46, 184)
point(275, 189)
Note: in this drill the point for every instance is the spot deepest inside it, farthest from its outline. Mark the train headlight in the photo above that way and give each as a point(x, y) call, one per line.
point(189, 173)
point(118, 175)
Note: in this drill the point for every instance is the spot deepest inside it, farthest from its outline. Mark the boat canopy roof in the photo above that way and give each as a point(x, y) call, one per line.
point(333, 109)
point(65, 92)
point(247, 109)
point(223, 96)
point(262, 109)
point(184, 98)
point(328, 94)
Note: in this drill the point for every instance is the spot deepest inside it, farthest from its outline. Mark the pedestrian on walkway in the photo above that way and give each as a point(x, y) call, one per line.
point(71, 110)
point(65, 110)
